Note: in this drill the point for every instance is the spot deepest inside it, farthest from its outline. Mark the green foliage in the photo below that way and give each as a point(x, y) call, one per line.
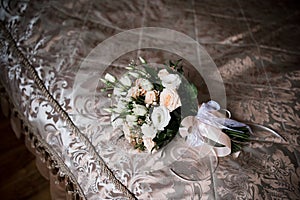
point(140, 146)
point(152, 72)
point(165, 136)
point(238, 136)
point(158, 87)
point(139, 100)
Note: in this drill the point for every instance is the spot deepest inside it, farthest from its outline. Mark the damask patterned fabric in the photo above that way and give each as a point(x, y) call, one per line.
point(255, 46)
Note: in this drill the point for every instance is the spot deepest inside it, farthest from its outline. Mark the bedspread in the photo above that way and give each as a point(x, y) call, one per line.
point(46, 45)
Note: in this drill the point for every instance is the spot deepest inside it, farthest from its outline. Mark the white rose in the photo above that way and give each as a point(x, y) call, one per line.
point(144, 84)
point(110, 78)
point(162, 73)
point(150, 97)
point(148, 131)
point(139, 110)
point(160, 117)
point(149, 144)
point(125, 80)
point(170, 99)
point(171, 81)
point(131, 120)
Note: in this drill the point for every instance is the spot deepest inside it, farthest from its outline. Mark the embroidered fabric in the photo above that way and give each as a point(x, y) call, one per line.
point(54, 37)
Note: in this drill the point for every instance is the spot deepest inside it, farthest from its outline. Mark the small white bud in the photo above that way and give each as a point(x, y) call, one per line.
point(142, 60)
point(110, 78)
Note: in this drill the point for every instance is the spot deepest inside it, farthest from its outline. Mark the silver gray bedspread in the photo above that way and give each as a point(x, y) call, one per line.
point(255, 46)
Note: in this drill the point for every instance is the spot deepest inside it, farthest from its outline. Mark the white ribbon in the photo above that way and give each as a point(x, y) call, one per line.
point(208, 124)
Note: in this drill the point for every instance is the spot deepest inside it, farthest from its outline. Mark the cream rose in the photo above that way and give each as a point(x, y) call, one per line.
point(150, 97)
point(160, 117)
point(170, 99)
point(171, 81)
point(148, 131)
point(133, 92)
point(148, 143)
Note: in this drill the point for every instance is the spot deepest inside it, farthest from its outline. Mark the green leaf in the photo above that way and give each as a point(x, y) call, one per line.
point(237, 135)
point(158, 87)
point(152, 72)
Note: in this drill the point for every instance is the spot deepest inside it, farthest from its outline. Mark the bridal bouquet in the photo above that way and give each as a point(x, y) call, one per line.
point(151, 105)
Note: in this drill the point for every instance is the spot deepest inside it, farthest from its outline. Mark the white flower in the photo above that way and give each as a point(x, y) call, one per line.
point(150, 97)
point(109, 110)
point(160, 117)
point(110, 78)
point(148, 143)
point(139, 110)
point(148, 131)
point(121, 106)
point(127, 132)
point(127, 99)
point(133, 92)
point(142, 60)
point(144, 84)
point(138, 82)
point(116, 122)
point(118, 92)
point(170, 99)
point(147, 85)
point(133, 74)
point(171, 81)
point(125, 80)
point(162, 73)
point(131, 120)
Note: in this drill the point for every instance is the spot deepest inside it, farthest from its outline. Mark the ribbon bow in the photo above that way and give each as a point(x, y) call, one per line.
point(206, 129)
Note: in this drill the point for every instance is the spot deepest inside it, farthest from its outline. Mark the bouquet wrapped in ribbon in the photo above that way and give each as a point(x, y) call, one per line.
point(151, 105)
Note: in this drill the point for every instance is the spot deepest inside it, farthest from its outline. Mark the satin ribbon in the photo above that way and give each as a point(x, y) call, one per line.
point(208, 124)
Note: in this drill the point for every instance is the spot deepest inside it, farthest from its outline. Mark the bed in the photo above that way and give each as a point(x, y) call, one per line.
point(46, 44)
